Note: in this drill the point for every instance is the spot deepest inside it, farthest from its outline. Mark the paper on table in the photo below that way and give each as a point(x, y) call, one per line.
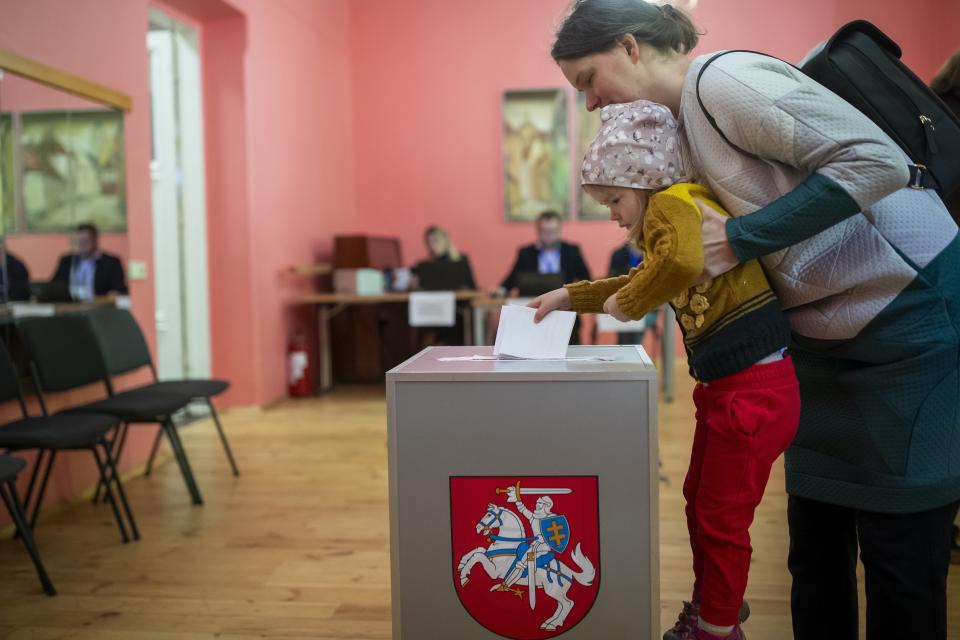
point(519, 337)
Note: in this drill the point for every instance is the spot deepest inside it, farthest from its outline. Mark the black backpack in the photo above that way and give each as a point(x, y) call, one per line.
point(862, 65)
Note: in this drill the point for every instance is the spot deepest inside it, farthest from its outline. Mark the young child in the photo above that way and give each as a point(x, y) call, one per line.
point(747, 396)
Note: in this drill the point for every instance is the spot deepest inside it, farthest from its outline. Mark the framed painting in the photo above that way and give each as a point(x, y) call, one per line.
point(69, 168)
point(536, 163)
point(587, 126)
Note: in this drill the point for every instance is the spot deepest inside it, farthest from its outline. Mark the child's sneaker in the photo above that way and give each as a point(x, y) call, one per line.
point(687, 620)
point(700, 634)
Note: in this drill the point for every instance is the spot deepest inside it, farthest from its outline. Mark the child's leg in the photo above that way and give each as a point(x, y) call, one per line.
point(750, 419)
point(692, 484)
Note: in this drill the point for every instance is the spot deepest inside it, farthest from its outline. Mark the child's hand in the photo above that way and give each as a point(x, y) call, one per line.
point(612, 307)
point(556, 300)
point(718, 257)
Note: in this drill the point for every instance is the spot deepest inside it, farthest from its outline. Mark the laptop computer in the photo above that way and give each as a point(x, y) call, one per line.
point(446, 275)
point(530, 284)
point(52, 291)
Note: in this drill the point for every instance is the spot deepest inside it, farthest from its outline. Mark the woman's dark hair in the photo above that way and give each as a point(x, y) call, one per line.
point(594, 26)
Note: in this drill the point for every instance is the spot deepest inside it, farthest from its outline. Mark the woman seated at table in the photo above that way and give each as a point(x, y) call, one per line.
point(445, 270)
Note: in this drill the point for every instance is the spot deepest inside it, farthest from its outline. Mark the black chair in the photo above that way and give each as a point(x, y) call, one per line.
point(9, 468)
point(65, 355)
point(52, 434)
point(125, 350)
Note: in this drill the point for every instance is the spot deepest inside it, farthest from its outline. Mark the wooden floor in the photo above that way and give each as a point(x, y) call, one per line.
point(298, 546)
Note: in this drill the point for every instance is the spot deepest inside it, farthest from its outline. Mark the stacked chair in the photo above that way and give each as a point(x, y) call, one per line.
point(72, 351)
point(50, 435)
point(125, 350)
point(9, 468)
point(65, 354)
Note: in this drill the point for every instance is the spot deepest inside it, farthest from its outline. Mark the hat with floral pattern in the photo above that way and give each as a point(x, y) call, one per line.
point(638, 146)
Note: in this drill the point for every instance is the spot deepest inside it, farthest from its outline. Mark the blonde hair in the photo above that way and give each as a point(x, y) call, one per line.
point(437, 230)
point(947, 80)
point(635, 233)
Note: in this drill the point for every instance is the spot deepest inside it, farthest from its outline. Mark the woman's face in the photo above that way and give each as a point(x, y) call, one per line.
point(627, 206)
point(626, 73)
point(436, 244)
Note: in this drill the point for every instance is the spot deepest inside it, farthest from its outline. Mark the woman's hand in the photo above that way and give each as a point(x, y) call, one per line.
point(556, 300)
point(718, 257)
point(612, 307)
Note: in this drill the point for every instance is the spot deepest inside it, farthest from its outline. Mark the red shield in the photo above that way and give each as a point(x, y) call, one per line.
point(495, 544)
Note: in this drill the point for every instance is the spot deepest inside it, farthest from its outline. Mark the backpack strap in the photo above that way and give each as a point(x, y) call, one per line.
point(703, 107)
point(920, 177)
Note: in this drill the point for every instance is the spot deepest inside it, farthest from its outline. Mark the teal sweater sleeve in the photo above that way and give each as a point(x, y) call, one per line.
point(814, 205)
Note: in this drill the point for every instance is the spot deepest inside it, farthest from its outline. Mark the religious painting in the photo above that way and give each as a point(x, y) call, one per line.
point(536, 159)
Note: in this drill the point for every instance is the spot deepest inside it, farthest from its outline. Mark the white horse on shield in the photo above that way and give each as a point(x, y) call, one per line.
point(554, 576)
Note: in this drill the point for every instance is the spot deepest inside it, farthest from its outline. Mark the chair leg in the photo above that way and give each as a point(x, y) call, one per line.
point(223, 439)
point(153, 451)
point(33, 477)
point(181, 456)
point(116, 447)
point(8, 492)
point(43, 489)
point(101, 467)
point(121, 493)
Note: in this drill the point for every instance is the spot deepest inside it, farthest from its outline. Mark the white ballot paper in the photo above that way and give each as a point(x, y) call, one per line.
point(519, 337)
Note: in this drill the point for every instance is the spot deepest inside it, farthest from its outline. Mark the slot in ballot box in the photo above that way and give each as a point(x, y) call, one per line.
point(524, 496)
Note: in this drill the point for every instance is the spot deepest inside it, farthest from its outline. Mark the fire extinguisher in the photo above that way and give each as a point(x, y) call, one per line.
point(299, 374)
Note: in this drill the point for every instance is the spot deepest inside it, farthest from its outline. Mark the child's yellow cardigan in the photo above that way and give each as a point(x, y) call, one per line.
point(728, 323)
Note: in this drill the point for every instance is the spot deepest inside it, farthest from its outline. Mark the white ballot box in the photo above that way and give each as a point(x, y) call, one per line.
point(524, 496)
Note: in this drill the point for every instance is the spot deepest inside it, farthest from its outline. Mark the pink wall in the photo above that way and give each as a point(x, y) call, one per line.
point(300, 187)
point(429, 78)
point(277, 83)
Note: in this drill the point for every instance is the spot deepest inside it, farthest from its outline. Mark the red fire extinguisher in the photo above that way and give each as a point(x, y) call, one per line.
point(299, 373)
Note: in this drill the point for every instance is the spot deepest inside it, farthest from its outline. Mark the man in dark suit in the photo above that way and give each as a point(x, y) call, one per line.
point(90, 272)
point(550, 255)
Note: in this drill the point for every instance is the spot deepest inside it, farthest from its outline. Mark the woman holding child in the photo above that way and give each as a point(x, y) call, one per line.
point(865, 273)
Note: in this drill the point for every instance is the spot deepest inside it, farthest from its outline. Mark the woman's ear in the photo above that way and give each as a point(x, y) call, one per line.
point(630, 46)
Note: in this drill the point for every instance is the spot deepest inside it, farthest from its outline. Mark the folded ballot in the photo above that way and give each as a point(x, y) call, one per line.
point(519, 337)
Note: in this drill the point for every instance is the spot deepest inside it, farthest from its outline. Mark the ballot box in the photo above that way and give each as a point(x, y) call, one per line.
point(524, 495)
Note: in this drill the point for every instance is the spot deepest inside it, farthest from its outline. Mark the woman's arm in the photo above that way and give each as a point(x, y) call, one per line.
point(769, 109)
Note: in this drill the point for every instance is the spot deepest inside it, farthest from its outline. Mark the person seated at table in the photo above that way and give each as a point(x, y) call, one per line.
point(622, 260)
point(548, 255)
point(446, 269)
point(88, 271)
point(14, 277)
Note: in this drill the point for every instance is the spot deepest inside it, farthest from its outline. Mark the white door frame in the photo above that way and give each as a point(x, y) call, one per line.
point(180, 226)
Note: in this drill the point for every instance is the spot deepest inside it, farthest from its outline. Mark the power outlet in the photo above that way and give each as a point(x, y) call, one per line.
point(137, 270)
